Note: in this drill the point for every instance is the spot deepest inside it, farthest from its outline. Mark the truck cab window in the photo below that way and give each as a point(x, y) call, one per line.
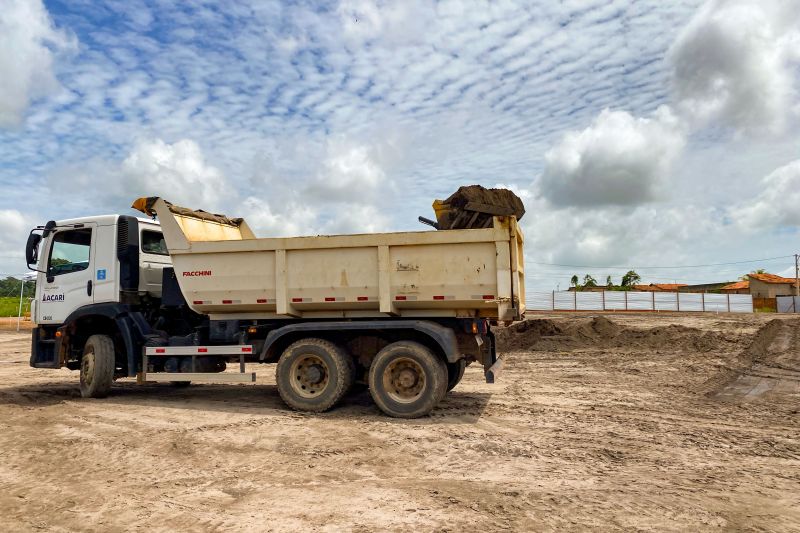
point(153, 243)
point(70, 252)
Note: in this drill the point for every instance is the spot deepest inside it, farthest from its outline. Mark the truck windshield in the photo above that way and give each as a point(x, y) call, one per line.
point(70, 251)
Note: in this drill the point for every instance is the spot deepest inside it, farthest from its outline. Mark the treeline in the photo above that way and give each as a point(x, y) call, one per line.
point(11, 286)
point(589, 282)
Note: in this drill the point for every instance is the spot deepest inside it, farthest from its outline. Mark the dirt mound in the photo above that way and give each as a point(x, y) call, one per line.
point(777, 344)
point(598, 328)
point(525, 335)
point(570, 334)
point(772, 355)
point(669, 337)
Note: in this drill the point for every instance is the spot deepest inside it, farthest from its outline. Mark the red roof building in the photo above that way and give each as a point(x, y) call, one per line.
point(740, 287)
point(770, 285)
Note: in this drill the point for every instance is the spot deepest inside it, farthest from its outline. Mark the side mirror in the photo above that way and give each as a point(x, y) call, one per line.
point(32, 249)
point(48, 228)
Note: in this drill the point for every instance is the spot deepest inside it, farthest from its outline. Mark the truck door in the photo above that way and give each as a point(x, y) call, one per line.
point(69, 276)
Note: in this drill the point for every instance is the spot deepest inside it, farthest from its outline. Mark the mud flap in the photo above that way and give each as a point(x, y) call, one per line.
point(494, 370)
point(492, 365)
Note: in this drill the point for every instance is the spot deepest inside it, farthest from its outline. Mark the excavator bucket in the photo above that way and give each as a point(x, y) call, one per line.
point(473, 206)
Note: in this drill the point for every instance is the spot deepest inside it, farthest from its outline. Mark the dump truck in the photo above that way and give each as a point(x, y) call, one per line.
point(189, 296)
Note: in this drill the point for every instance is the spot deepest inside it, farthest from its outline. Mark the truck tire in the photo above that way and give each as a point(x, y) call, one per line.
point(97, 366)
point(313, 374)
point(407, 380)
point(455, 371)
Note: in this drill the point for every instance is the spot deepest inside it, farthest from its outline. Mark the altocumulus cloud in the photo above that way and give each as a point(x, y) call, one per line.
point(618, 160)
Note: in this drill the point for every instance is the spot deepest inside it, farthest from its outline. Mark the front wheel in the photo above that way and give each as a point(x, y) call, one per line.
point(407, 380)
point(97, 366)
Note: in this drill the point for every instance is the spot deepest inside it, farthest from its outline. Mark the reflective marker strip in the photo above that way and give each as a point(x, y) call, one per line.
point(300, 300)
point(193, 350)
point(366, 298)
point(265, 301)
point(404, 298)
point(334, 298)
point(201, 302)
point(482, 296)
point(441, 297)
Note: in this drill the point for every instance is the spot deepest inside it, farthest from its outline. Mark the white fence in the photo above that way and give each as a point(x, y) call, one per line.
point(638, 301)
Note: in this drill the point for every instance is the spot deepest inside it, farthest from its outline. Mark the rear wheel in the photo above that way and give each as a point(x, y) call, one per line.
point(407, 380)
point(314, 374)
point(97, 366)
point(455, 371)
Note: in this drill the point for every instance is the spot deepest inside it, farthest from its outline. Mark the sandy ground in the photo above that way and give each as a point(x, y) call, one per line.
point(667, 423)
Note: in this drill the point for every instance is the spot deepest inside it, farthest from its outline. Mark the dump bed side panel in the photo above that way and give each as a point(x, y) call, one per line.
point(474, 272)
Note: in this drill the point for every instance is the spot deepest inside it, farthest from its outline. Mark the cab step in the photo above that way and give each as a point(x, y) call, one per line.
point(194, 352)
point(206, 377)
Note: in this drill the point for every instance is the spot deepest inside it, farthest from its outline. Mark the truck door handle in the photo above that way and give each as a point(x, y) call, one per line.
point(89, 287)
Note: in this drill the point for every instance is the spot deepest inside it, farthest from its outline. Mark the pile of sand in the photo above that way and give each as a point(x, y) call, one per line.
point(570, 334)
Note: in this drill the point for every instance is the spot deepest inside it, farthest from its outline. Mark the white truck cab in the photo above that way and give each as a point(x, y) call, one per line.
point(78, 264)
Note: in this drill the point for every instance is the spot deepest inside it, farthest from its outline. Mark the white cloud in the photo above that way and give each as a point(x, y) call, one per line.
point(290, 221)
point(12, 241)
point(178, 172)
point(350, 171)
point(644, 234)
point(777, 202)
point(618, 160)
point(736, 62)
point(357, 218)
point(28, 45)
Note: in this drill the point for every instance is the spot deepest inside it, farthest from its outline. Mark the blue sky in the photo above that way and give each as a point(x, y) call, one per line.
point(639, 134)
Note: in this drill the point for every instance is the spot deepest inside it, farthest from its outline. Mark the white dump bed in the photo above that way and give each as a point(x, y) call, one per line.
point(226, 272)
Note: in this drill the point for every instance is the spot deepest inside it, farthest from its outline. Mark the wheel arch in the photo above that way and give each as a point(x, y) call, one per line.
point(441, 339)
point(127, 329)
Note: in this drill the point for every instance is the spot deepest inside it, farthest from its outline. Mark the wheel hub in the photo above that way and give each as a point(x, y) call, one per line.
point(310, 376)
point(407, 378)
point(314, 374)
point(404, 380)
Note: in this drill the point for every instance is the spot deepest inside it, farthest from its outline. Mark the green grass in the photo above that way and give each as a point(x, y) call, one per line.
point(9, 305)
